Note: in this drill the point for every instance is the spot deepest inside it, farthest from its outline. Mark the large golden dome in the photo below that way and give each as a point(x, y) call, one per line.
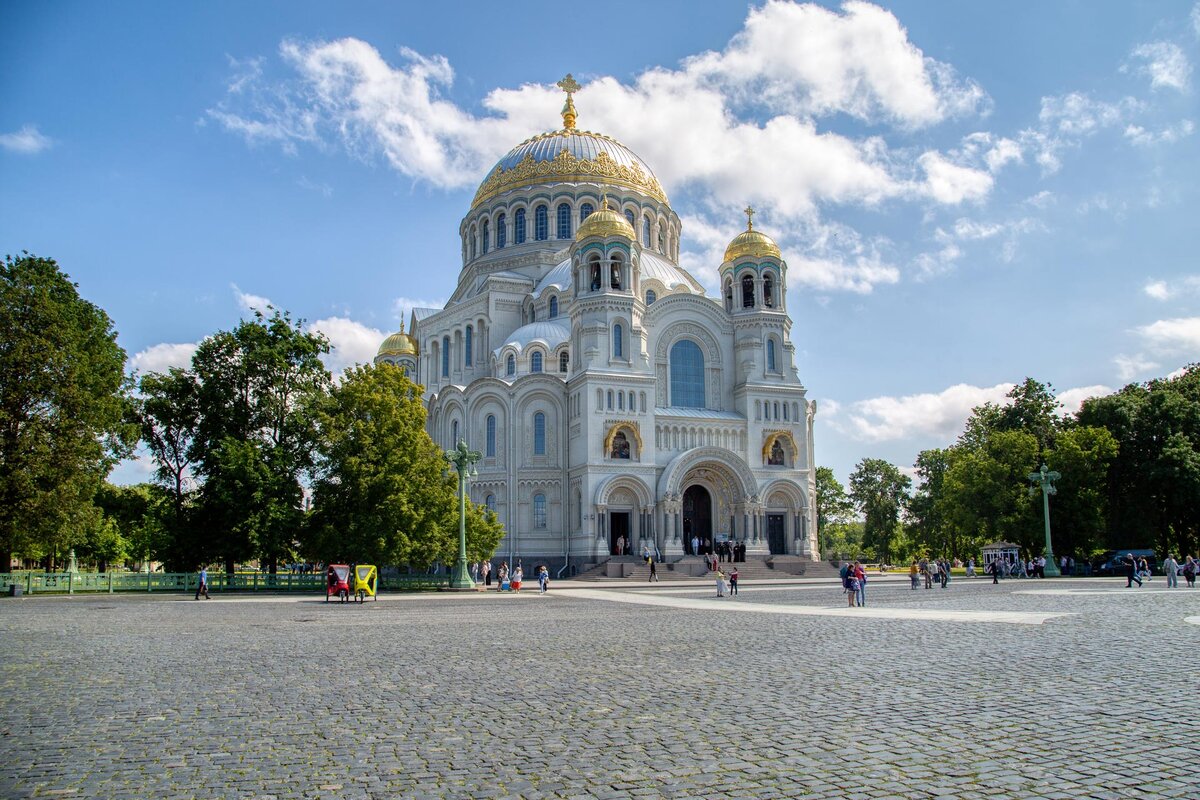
point(604, 223)
point(751, 243)
point(398, 344)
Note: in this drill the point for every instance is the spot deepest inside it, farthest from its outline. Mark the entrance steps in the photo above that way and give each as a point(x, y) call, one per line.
point(632, 569)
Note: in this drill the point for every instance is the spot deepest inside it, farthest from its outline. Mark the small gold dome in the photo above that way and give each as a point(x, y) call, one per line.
point(605, 222)
point(751, 243)
point(398, 344)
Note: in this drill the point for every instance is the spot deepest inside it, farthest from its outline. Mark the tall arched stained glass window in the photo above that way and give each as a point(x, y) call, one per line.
point(564, 362)
point(618, 346)
point(490, 440)
point(539, 510)
point(687, 374)
point(564, 221)
point(645, 231)
point(510, 367)
point(651, 297)
point(501, 231)
point(487, 235)
point(553, 307)
point(535, 361)
point(629, 216)
point(474, 241)
point(490, 502)
point(584, 211)
point(770, 355)
point(445, 356)
point(539, 434)
point(454, 434)
point(468, 346)
point(541, 223)
point(519, 227)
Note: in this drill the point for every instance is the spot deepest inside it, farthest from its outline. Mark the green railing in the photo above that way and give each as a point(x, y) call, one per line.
point(182, 582)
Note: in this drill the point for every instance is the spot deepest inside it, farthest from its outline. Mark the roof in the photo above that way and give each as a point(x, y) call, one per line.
point(551, 333)
point(697, 413)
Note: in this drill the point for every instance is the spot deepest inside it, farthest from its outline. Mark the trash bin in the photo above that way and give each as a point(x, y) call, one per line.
point(15, 590)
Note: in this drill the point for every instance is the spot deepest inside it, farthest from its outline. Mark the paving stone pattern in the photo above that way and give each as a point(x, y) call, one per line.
point(444, 696)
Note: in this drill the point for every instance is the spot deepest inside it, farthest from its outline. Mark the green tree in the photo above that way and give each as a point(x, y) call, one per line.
point(168, 411)
point(383, 493)
point(256, 435)
point(62, 408)
point(929, 529)
point(132, 526)
point(1079, 511)
point(833, 506)
point(985, 493)
point(879, 490)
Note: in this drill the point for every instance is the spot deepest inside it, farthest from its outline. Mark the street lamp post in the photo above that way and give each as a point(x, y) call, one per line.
point(1045, 478)
point(462, 459)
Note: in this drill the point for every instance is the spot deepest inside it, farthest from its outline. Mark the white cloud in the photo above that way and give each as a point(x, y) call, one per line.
point(161, 357)
point(1005, 150)
point(950, 183)
point(1164, 290)
point(1172, 335)
point(1076, 114)
point(1179, 373)
point(1196, 19)
point(1042, 199)
point(27, 141)
point(350, 342)
point(1129, 367)
point(1157, 289)
point(1164, 63)
point(1168, 135)
point(1072, 399)
point(403, 306)
point(941, 415)
point(251, 302)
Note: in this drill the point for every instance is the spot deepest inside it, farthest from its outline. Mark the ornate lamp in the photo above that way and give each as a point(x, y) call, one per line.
point(1045, 478)
point(462, 459)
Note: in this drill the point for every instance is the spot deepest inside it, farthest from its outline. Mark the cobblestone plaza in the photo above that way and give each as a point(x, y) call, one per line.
point(1055, 688)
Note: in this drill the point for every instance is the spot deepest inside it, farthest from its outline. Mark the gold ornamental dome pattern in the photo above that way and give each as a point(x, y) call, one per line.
point(398, 344)
point(605, 223)
point(751, 243)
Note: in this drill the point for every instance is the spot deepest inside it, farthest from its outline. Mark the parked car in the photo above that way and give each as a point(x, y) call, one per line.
point(1114, 562)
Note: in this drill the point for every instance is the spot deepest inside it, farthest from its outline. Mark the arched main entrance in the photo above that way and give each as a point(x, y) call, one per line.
point(697, 518)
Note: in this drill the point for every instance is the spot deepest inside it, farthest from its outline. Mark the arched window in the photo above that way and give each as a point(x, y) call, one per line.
point(770, 355)
point(510, 368)
point(535, 361)
point(474, 240)
point(662, 241)
point(553, 307)
point(729, 295)
point(454, 434)
point(541, 223)
point(651, 297)
point(519, 233)
point(445, 356)
point(489, 449)
point(490, 502)
point(618, 346)
point(747, 292)
point(687, 375)
point(609, 400)
point(785, 412)
point(501, 231)
point(629, 217)
point(776, 458)
point(539, 510)
point(564, 362)
point(614, 273)
point(564, 221)
point(487, 235)
point(578, 509)
point(620, 446)
point(620, 401)
point(645, 231)
point(468, 346)
point(594, 271)
point(539, 434)
point(584, 211)
point(768, 292)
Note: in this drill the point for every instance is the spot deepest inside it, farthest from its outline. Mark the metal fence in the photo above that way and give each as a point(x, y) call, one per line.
point(183, 582)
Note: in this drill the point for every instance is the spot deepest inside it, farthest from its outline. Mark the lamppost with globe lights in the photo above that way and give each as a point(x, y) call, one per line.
point(1045, 478)
point(462, 459)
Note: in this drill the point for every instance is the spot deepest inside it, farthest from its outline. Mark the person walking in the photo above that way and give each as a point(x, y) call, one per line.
point(970, 568)
point(1190, 568)
point(517, 576)
point(543, 577)
point(202, 588)
point(502, 577)
point(860, 578)
point(653, 571)
point(1171, 570)
point(944, 571)
point(733, 579)
point(487, 573)
point(1131, 571)
point(695, 545)
point(914, 572)
point(994, 568)
point(931, 574)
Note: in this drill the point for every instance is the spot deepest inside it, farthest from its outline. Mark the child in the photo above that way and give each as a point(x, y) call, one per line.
point(852, 586)
point(517, 576)
point(543, 579)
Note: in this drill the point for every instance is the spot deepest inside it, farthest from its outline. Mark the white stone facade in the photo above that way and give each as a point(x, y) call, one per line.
point(609, 396)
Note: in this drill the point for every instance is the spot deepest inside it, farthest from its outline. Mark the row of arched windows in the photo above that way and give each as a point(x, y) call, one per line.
point(489, 444)
point(539, 508)
point(768, 410)
point(611, 401)
point(666, 240)
point(536, 363)
point(750, 296)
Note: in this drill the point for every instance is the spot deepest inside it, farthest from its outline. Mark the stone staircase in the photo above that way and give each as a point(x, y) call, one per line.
point(632, 569)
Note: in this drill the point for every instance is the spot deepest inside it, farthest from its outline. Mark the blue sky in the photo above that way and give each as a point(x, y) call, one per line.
point(966, 194)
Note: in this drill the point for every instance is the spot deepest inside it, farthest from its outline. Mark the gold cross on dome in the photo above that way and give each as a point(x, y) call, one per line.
point(570, 86)
point(749, 212)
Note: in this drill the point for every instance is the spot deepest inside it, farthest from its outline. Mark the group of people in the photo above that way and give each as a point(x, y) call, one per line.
point(727, 583)
point(728, 550)
point(854, 583)
point(506, 579)
point(1138, 569)
point(932, 570)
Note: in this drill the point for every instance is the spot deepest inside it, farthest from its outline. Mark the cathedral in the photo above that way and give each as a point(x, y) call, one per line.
point(615, 405)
